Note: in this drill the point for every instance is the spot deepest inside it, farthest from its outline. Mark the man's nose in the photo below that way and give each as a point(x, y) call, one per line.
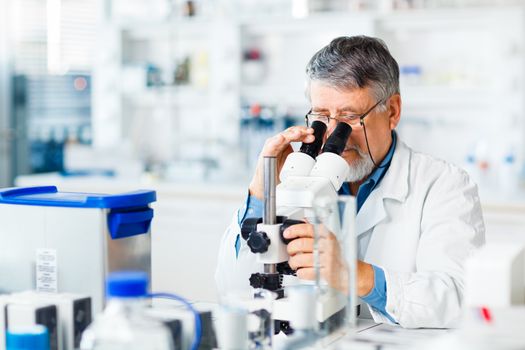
point(332, 123)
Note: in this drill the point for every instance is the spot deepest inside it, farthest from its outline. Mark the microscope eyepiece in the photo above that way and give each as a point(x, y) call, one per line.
point(337, 141)
point(313, 148)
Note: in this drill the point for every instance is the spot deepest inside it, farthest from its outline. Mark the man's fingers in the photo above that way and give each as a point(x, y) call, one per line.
point(278, 143)
point(299, 231)
point(300, 245)
point(298, 133)
point(328, 244)
point(299, 261)
point(306, 273)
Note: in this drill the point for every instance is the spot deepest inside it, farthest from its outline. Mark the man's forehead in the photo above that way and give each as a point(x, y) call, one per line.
point(349, 104)
point(324, 97)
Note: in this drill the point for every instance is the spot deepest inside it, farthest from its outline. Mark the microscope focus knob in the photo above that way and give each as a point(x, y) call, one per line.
point(258, 242)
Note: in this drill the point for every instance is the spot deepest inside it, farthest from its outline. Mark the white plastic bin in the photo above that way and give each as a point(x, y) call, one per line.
point(68, 242)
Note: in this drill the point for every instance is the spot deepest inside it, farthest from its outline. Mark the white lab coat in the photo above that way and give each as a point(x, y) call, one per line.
point(425, 218)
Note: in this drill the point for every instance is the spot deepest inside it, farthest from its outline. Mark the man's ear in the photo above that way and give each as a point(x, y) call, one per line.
point(394, 110)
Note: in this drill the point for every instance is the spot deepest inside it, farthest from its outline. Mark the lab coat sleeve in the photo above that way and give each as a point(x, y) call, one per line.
point(233, 272)
point(451, 230)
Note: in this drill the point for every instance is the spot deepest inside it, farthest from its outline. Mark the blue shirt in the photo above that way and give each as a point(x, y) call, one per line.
point(374, 179)
point(377, 296)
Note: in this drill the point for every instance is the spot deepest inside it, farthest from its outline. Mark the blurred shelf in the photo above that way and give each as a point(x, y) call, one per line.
point(445, 18)
point(454, 96)
point(284, 41)
point(180, 29)
point(166, 24)
point(257, 89)
point(274, 94)
point(168, 96)
point(389, 19)
point(286, 24)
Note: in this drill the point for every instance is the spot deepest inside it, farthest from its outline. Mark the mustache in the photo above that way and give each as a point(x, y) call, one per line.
point(357, 149)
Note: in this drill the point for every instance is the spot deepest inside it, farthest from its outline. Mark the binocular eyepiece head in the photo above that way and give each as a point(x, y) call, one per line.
point(313, 149)
point(336, 143)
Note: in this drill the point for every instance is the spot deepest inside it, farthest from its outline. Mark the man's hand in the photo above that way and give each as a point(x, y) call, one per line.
point(278, 146)
point(333, 267)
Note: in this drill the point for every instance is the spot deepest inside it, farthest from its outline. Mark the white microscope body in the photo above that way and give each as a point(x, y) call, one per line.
point(306, 182)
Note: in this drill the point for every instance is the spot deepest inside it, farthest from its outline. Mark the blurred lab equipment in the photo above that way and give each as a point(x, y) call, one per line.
point(244, 320)
point(494, 307)
point(191, 326)
point(124, 325)
point(258, 123)
point(509, 173)
point(68, 242)
point(495, 276)
point(253, 66)
point(232, 325)
point(153, 75)
point(307, 180)
point(303, 320)
point(34, 337)
point(47, 112)
point(65, 315)
point(28, 313)
point(181, 76)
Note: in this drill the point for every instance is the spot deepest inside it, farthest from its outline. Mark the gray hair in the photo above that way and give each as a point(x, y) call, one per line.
point(355, 62)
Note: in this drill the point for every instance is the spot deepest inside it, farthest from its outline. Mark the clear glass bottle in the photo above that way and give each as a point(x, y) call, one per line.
point(123, 325)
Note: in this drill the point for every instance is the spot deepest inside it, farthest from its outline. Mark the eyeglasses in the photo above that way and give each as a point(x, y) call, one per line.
point(355, 121)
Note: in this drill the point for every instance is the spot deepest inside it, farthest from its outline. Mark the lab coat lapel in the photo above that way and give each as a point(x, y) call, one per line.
point(371, 213)
point(394, 185)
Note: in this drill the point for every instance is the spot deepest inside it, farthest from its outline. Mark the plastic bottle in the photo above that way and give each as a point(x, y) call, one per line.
point(27, 338)
point(509, 174)
point(483, 164)
point(124, 325)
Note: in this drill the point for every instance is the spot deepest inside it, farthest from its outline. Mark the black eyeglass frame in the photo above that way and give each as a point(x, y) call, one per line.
point(361, 117)
point(362, 123)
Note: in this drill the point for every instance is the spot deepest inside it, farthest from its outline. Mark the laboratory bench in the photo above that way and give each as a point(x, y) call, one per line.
point(372, 336)
point(368, 335)
point(190, 218)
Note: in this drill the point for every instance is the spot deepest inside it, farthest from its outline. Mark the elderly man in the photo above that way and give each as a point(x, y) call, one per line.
point(418, 217)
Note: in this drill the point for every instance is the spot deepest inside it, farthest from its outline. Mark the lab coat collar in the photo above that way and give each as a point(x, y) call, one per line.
point(395, 183)
point(394, 186)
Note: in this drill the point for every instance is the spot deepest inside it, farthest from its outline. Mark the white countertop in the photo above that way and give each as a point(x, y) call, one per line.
point(382, 336)
point(490, 199)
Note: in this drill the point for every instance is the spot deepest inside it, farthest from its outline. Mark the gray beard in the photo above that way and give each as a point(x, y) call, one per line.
point(361, 167)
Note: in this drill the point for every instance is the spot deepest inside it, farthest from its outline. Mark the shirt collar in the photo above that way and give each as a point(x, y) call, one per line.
point(376, 176)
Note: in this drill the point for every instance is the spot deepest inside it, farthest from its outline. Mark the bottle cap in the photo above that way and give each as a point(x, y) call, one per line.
point(127, 284)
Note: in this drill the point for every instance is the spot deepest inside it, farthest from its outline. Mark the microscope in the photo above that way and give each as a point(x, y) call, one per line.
point(308, 177)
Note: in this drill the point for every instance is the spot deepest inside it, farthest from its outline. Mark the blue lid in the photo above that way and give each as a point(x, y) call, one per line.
point(410, 69)
point(27, 338)
point(49, 196)
point(127, 284)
